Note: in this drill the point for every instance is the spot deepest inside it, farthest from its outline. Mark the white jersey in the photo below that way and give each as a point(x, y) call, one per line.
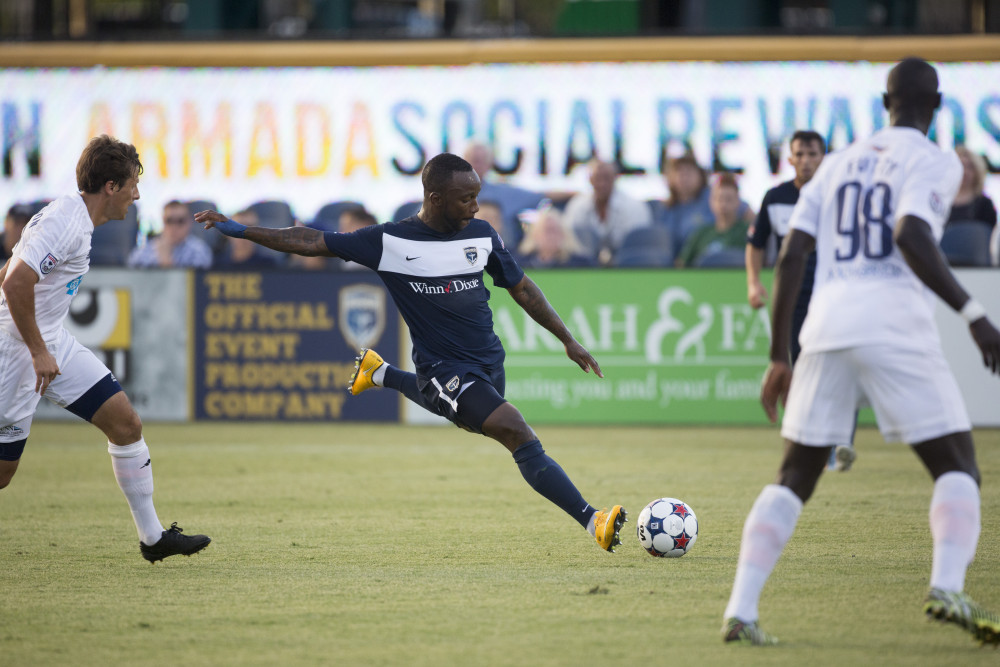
point(865, 293)
point(56, 245)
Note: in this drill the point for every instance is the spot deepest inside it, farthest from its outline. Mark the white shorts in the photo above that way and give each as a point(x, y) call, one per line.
point(913, 393)
point(79, 371)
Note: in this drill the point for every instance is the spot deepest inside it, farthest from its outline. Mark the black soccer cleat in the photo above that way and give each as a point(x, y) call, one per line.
point(172, 542)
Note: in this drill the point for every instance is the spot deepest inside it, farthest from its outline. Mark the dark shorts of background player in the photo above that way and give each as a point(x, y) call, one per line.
point(464, 395)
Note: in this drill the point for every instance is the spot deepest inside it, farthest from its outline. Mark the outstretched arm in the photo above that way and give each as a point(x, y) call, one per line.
point(295, 240)
point(917, 245)
point(528, 295)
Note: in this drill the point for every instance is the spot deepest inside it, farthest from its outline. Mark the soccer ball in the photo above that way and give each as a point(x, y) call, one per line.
point(667, 527)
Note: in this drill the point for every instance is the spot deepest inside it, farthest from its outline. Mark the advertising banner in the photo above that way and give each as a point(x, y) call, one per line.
point(281, 346)
point(980, 388)
point(311, 136)
point(136, 322)
point(675, 347)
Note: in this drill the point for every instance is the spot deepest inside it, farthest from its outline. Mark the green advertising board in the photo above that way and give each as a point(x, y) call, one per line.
point(675, 347)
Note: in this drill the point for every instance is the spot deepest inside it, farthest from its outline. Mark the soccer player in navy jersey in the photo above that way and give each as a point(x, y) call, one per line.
point(432, 264)
point(807, 150)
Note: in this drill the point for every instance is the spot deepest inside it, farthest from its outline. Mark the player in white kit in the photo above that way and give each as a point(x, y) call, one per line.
point(38, 357)
point(874, 212)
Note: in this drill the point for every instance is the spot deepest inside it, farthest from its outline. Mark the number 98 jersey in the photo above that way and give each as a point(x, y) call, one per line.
point(865, 293)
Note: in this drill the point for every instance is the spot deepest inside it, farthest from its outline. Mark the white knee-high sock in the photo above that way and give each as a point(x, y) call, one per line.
point(134, 473)
point(768, 528)
point(954, 518)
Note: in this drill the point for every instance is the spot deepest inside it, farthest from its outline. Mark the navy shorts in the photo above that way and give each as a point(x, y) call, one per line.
point(464, 395)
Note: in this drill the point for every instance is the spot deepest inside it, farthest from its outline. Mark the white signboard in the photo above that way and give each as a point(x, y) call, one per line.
point(316, 135)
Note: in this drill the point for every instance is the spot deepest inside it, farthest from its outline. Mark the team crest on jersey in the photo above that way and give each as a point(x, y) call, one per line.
point(48, 263)
point(453, 384)
point(362, 314)
point(472, 254)
point(936, 204)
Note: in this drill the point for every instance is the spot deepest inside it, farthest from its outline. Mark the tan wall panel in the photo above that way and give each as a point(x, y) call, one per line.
point(308, 54)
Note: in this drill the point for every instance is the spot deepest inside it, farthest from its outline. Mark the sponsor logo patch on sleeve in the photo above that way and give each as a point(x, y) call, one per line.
point(937, 205)
point(48, 263)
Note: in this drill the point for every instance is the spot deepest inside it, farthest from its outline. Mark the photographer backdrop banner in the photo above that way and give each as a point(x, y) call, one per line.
point(281, 345)
point(316, 135)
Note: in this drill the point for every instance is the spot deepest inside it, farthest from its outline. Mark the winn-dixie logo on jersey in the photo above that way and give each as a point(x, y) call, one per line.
point(453, 286)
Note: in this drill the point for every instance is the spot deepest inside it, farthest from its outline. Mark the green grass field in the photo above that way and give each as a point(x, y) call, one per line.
point(387, 545)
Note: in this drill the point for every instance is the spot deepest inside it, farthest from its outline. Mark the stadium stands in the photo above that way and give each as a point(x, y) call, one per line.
point(327, 218)
point(966, 244)
point(646, 246)
point(215, 240)
point(404, 211)
point(113, 241)
point(733, 258)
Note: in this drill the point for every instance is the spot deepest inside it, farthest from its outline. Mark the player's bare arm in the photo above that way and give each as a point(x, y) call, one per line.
point(528, 295)
point(917, 245)
point(295, 240)
point(788, 274)
point(19, 291)
point(756, 292)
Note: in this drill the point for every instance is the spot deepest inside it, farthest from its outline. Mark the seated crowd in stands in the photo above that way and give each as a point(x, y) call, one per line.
point(702, 222)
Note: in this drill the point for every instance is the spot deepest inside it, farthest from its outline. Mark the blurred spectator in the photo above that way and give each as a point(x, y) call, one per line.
point(351, 220)
point(17, 217)
point(244, 254)
point(512, 200)
point(175, 246)
point(728, 230)
point(971, 204)
point(355, 218)
point(490, 211)
point(602, 218)
point(549, 242)
point(686, 208)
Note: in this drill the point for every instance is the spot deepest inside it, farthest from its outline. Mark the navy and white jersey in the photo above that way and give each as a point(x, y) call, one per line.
point(775, 214)
point(436, 281)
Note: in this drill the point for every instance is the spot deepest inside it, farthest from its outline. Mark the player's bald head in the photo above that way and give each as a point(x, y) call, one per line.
point(912, 85)
point(914, 76)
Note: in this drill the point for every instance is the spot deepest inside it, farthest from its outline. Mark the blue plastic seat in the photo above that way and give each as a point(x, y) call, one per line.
point(967, 243)
point(327, 218)
point(646, 246)
point(404, 211)
point(274, 214)
point(728, 258)
point(114, 240)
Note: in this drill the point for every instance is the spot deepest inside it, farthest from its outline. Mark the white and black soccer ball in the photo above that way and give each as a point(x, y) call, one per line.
point(667, 527)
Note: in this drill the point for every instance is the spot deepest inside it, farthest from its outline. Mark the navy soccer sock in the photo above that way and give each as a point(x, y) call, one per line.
point(547, 478)
point(403, 382)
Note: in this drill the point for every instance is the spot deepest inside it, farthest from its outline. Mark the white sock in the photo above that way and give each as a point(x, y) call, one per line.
point(768, 528)
point(134, 473)
point(954, 520)
point(378, 375)
point(591, 528)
